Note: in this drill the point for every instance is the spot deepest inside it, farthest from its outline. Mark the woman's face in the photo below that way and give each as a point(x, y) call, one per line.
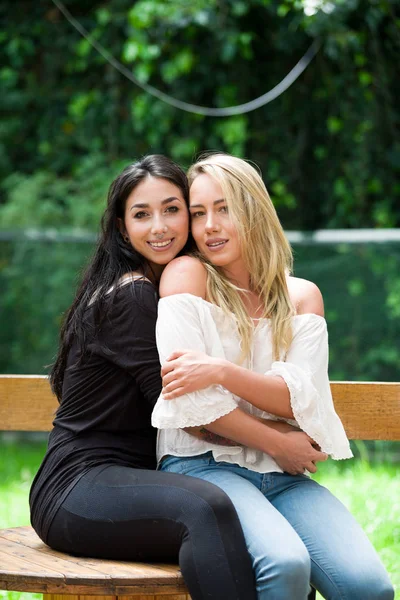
point(156, 221)
point(213, 231)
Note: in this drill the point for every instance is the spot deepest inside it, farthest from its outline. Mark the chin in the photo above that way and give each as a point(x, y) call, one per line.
point(218, 261)
point(163, 261)
point(167, 259)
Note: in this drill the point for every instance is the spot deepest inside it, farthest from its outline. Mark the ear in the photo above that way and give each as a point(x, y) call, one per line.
point(121, 226)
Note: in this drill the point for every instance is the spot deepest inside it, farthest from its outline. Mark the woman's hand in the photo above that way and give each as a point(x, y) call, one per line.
point(296, 452)
point(188, 371)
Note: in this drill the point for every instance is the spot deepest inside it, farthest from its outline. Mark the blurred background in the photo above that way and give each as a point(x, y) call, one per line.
point(328, 148)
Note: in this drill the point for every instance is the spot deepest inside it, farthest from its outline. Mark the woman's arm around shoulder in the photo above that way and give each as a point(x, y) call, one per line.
point(184, 275)
point(266, 392)
point(306, 296)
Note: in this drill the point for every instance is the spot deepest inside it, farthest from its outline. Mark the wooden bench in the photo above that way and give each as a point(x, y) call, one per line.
point(370, 411)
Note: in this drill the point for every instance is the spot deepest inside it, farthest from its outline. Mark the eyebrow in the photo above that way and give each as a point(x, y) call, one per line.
point(166, 201)
point(202, 205)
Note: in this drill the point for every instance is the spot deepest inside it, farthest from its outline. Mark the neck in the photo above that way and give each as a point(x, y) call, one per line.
point(251, 300)
point(238, 276)
point(154, 272)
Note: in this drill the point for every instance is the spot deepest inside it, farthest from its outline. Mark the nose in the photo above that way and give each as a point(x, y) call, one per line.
point(212, 223)
point(158, 226)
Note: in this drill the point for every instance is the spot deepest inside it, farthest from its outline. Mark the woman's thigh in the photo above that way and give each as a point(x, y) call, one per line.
point(279, 557)
point(133, 514)
point(344, 563)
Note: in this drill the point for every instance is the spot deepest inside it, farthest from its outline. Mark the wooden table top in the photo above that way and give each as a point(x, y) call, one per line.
point(27, 564)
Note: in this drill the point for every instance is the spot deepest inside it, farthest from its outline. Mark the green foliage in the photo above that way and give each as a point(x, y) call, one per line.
point(359, 486)
point(17, 469)
point(45, 199)
point(361, 288)
point(38, 280)
point(334, 134)
point(328, 148)
point(360, 284)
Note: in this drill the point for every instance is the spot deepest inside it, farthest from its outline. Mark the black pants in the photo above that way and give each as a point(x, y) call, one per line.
point(121, 513)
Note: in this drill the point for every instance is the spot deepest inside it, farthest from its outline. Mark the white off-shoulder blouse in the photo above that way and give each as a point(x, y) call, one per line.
point(187, 322)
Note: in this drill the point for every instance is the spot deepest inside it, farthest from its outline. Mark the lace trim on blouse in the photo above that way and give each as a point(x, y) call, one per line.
point(189, 322)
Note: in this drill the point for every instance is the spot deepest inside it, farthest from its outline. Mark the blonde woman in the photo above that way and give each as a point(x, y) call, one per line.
point(233, 323)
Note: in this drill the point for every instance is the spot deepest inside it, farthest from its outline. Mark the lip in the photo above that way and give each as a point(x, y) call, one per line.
point(222, 242)
point(160, 248)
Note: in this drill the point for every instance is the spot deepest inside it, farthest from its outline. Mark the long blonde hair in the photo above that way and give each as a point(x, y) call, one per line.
point(265, 250)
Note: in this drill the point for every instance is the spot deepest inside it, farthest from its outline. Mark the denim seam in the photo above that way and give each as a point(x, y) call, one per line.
point(329, 577)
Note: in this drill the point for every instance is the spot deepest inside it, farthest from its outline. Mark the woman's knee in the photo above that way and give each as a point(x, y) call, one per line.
point(370, 588)
point(353, 582)
point(383, 591)
point(295, 568)
point(285, 575)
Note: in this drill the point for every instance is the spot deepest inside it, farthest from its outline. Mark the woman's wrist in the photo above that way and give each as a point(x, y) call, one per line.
point(223, 371)
point(280, 426)
point(274, 442)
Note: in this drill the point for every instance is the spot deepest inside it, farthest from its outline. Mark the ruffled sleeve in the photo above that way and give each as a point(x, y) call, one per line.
point(185, 323)
point(305, 372)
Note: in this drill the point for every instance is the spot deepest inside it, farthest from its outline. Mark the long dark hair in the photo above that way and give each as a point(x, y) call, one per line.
point(113, 258)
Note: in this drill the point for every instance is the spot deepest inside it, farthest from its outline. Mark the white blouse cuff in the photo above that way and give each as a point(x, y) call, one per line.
point(311, 412)
point(192, 410)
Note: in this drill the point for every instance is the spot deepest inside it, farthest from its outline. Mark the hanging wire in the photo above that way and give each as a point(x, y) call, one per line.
point(187, 106)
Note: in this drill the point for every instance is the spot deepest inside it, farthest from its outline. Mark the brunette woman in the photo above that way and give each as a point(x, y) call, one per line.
point(97, 492)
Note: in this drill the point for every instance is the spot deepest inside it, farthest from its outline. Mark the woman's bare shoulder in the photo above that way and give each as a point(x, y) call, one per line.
point(306, 296)
point(184, 275)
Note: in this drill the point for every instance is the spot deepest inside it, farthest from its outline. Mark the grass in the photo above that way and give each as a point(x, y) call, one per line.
point(371, 492)
point(18, 466)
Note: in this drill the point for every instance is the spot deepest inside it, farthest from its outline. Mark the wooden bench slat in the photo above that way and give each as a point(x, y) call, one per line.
point(26, 561)
point(119, 571)
point(39, 588)
point(14, 569)
point(149, 592)
point(82, 597)
point(50, 561)
point(369, 410)
point(26, 403)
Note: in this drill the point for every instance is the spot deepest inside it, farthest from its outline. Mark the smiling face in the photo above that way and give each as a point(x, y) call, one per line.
point(213, 231)
point(156, 221)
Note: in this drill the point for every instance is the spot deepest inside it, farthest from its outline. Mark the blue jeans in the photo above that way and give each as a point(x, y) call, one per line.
point(296, 532)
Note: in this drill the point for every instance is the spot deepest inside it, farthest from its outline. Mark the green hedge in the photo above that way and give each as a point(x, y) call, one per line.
point(329, 147)
point(360, 284)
